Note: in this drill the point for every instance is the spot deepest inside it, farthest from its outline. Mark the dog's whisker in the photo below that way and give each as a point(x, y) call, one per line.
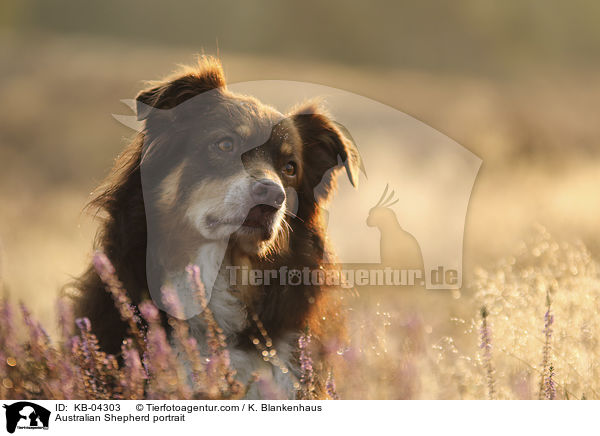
point(293, 215)
point(288, 226)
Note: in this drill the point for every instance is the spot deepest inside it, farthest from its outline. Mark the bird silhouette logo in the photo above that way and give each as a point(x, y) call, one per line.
point(399, 249)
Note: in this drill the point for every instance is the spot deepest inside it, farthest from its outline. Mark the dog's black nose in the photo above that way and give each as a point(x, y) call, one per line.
point(266, 191)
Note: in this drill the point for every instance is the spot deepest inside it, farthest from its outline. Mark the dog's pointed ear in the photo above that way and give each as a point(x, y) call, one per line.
point(326, 147)
point(188, 83)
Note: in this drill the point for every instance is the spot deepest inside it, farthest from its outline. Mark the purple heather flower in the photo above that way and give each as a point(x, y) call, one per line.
point(306, 366)
point(550, 388)
point(149, 311)
point(547, 350)
point(486, 345)
point(330, 387)
point(103, 266)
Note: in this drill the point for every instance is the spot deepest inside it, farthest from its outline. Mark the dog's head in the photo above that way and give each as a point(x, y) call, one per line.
point(227, 165)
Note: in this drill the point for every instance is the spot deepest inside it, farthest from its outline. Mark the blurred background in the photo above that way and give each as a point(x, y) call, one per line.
point(514, 82)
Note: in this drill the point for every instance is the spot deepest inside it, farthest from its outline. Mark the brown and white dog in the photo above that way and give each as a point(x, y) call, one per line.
point(222, 181)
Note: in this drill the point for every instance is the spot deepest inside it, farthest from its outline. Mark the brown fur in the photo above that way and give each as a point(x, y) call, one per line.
point(123, 232)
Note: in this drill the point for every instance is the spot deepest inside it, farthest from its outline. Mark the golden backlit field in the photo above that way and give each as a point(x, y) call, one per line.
point(532, 227)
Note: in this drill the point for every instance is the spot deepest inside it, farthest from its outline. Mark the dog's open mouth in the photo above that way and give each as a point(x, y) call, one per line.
point(260, 216)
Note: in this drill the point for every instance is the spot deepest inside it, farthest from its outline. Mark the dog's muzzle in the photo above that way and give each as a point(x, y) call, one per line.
point(268, 198)
point(267, 192)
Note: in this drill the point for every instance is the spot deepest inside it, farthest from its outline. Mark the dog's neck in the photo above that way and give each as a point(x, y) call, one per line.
point(229, 301)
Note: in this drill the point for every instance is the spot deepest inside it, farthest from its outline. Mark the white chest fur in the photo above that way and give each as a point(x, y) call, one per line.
point(231, 315)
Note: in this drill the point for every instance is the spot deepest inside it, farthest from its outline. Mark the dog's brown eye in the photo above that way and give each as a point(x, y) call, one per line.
point(225, 145)
point(289, 169)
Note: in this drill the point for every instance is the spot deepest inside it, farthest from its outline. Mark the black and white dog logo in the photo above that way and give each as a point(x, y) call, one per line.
point(26, 415)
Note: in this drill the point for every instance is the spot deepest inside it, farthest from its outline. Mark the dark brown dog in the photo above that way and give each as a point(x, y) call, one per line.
point(222, 181)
